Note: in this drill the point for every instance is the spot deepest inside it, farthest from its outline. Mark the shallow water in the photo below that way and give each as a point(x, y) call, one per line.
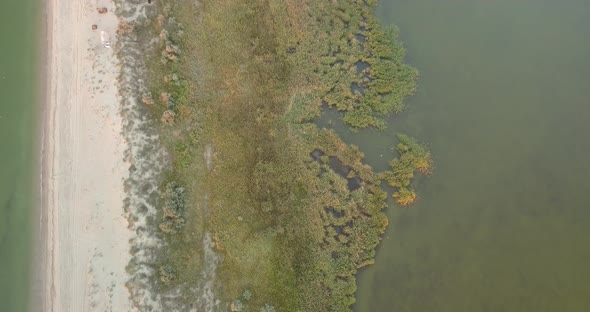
point(504, 222)
point(17, 131)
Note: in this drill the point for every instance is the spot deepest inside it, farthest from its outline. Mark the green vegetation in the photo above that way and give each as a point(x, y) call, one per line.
point(292, 209)
point(413, 157)
point(353, 63)
point(172, 208)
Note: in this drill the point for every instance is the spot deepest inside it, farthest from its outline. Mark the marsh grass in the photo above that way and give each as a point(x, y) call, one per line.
point(245, 78)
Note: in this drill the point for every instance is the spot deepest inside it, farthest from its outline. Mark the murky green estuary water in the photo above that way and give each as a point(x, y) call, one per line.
point(504, 103)
point(18, 118)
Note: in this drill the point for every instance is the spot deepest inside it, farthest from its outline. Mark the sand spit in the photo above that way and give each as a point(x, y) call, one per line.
point(102, 162)
point(84, 225)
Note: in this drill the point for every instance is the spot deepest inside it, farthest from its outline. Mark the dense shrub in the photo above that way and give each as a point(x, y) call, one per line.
point(173, 206)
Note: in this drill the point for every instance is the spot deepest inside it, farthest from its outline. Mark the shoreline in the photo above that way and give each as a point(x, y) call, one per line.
point(39, 226)
point(81, 235)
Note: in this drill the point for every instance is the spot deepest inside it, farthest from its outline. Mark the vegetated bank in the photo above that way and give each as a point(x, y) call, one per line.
point(292, 211)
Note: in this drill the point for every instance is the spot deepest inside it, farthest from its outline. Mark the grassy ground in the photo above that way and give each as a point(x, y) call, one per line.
point(292, 210)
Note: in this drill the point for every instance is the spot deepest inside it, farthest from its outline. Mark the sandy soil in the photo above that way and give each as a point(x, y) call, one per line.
point(83, 222)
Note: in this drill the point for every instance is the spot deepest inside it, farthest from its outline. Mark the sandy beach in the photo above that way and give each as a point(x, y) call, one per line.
point(85, 235)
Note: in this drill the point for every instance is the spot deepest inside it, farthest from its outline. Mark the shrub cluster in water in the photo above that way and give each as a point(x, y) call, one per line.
point(413, 157)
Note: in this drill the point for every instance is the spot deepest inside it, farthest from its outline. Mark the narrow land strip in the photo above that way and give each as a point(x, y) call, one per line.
point(82, 221)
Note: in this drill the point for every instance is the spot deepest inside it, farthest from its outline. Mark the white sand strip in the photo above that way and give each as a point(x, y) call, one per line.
point(87, 237)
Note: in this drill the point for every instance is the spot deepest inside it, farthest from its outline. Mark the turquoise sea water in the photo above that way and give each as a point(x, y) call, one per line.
point(503, 101)
point(18, 58)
